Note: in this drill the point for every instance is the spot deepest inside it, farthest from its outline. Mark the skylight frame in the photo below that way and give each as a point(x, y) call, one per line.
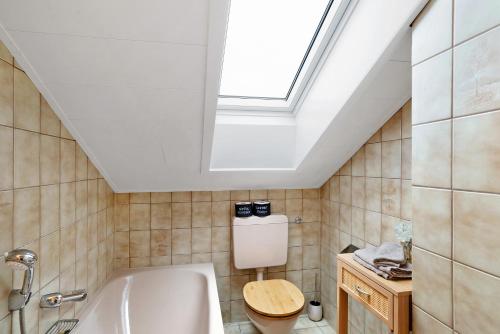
point(329, 22)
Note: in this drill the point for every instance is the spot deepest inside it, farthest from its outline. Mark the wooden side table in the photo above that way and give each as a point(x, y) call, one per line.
point(388, 300)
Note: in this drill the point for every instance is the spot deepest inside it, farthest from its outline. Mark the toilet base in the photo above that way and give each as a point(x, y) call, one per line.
point(271, 325)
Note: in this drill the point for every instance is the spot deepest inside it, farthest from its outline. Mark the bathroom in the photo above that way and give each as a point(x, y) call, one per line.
point(135, 139)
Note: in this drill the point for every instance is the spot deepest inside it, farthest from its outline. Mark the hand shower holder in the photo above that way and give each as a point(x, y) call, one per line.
point(25, 260)
point(53, 300)
point(17, 300)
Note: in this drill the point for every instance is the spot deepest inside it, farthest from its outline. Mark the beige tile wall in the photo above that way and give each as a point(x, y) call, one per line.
point(154, 229)
point(52, 200)
point(456, 169)
point(361, 203)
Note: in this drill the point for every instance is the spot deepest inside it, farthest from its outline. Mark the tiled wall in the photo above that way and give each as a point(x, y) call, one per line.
point(456, 167)
point(194, 227)
point(52, 201)
point(361, 203)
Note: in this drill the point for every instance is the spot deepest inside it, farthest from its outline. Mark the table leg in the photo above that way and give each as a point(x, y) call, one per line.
point(402, 315)
point(342, 311)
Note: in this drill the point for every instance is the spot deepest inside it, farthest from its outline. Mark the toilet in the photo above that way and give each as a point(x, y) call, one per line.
point(273, 306)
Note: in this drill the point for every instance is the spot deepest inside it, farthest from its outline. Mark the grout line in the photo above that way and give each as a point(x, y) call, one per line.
point(451, 164)
point(13, 168)
point(482, 271)
point(453, 118)
point(458, 190)
point(5, 61)
point(39, 237)
point(430, 315)
point(454, 46)
point(487, 111)
point(473, 36)
point(35, 132)
point(432, 56)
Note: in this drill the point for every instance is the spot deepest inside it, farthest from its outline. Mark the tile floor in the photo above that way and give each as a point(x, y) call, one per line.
point(303, 326)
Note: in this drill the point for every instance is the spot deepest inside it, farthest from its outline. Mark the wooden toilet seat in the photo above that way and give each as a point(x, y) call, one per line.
point(273, 298)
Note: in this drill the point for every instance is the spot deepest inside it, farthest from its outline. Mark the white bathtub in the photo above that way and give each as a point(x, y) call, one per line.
point(177, 300)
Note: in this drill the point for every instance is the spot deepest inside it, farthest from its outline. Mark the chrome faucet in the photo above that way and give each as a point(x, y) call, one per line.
point(21, 259)
point(53, 300)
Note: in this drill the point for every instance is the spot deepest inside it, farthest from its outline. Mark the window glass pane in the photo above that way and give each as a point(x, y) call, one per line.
point(265, 44)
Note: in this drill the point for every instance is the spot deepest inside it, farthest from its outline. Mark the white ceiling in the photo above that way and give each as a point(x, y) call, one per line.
point(136, 84)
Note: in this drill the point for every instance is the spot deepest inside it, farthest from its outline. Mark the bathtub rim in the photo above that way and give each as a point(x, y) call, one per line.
point(215, 325)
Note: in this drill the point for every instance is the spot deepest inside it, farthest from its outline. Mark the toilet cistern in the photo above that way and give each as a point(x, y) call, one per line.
point(260, 242)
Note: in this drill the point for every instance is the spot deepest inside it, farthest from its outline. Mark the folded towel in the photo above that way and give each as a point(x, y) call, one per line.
point(387, 254)
point(387, 260)
point(403, 270)
point(370, 266)
point(397, 273)
point(390, 273)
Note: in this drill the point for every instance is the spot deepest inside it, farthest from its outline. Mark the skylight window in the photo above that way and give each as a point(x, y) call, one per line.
point(267, 45)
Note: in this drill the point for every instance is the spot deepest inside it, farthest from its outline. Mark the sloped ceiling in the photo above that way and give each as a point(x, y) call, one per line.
point(136, 84)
